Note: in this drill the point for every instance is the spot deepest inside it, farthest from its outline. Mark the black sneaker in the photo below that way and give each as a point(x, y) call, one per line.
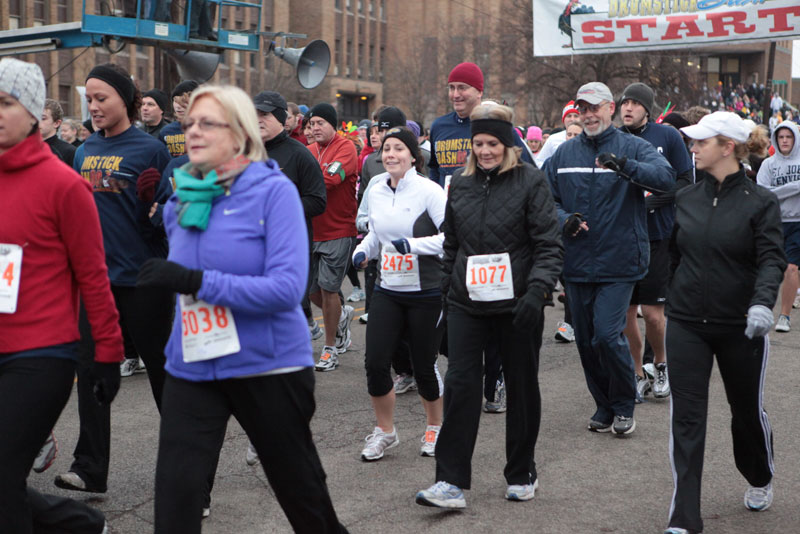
point(623, 425)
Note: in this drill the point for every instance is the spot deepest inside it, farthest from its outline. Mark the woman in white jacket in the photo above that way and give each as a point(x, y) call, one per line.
point(406, 212)
point(781, 174)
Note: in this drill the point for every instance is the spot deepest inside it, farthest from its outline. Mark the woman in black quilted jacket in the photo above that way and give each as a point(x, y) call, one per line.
point(502, 256)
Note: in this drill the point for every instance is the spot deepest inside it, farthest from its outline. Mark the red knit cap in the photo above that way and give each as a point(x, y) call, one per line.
point(569, 108)
point(468, 73)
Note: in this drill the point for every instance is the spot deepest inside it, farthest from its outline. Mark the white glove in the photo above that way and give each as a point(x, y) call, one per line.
point(759, 321)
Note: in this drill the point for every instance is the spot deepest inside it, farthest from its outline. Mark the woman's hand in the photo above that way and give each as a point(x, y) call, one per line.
point(360, 260)
point(157, 272)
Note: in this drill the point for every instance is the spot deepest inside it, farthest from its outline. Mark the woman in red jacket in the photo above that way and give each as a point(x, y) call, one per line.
point(51, 251)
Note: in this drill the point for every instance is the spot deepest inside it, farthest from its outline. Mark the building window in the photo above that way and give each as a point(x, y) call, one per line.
point(62, 11)
point(371, 61)
point(383, 10)
point(15, 8)
point(371, 7)
point(65, 98)
point(338, 61)
point(360, 58)
point(380, 66)
point(40, 13)
point(337, 4)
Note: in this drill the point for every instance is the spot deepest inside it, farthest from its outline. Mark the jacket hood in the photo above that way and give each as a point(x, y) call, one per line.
point(795, 153)
point(26, 153)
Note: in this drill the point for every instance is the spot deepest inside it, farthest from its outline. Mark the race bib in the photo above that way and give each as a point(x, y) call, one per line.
point(208, 331)
point(399, 269)
point(489, 277)
point(447, 180)
point(10, 267)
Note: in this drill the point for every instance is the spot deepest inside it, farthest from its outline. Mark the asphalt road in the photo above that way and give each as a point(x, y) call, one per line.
point(588, 482)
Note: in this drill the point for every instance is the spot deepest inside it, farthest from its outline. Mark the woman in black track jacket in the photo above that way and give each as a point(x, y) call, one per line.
point(502, 256)
point(727, 266)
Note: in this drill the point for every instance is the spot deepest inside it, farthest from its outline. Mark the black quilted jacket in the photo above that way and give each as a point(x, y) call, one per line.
point(512, 212)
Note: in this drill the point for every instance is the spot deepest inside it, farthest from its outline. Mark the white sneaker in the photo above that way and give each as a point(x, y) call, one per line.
point(47, 454)
point(429, 441)
point(442, 495)
point(784, 324)
point(525, 492)
point(377, 443)
point(343, 339)
point(206, 512)
point(796, 303)
point(661, 383)
point(758, 499)
point(498, 405)
point(251, 456)
point(328, 360)
point(357, 295)
point(564, 332)
point(649, 371)
point(642, 388)
point(364, 318)
point(128, 366)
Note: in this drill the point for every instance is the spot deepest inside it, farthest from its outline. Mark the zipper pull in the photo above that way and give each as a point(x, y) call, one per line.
point(715, 202)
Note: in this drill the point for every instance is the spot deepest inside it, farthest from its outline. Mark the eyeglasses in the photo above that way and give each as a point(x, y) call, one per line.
point(594, 108)
point(204, 124)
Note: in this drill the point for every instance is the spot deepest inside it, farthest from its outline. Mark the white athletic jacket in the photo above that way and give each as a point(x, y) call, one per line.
point(415, 211)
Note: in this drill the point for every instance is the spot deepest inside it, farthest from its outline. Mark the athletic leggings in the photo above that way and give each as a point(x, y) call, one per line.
point(691, 348)
point(391, 315)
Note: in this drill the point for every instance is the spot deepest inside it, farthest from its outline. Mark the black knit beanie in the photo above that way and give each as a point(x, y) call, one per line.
point(184, 87)
point(391, 117)
point(122, 84)
point(325, 111)
point(677, 120)
point(641, 94)
point(162, 101)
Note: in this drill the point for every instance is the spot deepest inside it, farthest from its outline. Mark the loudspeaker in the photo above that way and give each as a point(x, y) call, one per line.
point(311, 62)
point(192, 65)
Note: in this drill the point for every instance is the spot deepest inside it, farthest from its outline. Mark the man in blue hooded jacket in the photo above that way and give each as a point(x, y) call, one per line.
point(598, 181)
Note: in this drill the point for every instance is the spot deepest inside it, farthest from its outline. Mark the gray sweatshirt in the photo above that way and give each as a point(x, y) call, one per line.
point(781, 175)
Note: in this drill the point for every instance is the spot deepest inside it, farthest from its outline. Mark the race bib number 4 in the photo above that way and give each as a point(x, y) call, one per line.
point(399, 269)
point(208, 331)
point(10, 267)
point(489, 277)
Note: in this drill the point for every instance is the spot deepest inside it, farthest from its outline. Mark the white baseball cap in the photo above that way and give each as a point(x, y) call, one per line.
point(594, 93)
point(719, 123)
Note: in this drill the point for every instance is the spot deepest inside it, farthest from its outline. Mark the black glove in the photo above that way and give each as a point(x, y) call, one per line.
point(528, 310)
point(157, 272)
point(402, 245)
point(612, 161)
point(105, 381)
point(573, 224)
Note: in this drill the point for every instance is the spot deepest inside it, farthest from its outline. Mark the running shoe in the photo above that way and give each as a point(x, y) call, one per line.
point(639, 312)
point(661, 383)
point(47, 454)
point(642, 388)
point(429, 441)
point(796, 303)
point(564, 332)
point(206, 512)
point(363, 318)
point(314, 329)
point(328, 360)
point(357, 295)
point(498, 405)
point(623, 425)
point(758, 499)
point(523, 492)
point(141, 368)
point(404, 383)
point(73, 481)
point(442, 495)
point(649, 371)
point(784, 324)
point(676, 530)
point(128, 366)
point(562, 297)
point(343, 339)
point(377, 443)
point(251, 456)
point(598, 426)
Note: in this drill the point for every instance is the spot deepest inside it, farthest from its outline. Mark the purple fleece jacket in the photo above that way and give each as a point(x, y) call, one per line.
point(254, 258)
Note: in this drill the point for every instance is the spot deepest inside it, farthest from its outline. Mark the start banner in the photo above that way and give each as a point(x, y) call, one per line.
point(563, 27)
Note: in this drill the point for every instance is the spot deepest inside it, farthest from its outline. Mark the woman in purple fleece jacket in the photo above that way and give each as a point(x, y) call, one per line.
point(240, 344)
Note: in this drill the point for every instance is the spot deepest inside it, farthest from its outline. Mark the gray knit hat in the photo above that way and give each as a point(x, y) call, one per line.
point(25, 82)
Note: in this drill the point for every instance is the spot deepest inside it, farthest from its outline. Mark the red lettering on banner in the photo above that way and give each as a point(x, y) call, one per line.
point(687, 23)
point(636, 28)
point(780, 20)
point(735, 19)
point(596, 26)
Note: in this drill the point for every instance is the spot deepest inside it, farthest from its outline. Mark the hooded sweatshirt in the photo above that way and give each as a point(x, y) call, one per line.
point(781, 174)
point(48, 210)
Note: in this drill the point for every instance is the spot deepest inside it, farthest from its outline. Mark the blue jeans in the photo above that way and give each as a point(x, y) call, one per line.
point(598, 317)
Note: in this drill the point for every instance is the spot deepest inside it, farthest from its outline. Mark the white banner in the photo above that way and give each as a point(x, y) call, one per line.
point(563, 27)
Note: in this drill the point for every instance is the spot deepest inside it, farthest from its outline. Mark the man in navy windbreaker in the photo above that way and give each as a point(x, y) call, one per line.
point(598, 181)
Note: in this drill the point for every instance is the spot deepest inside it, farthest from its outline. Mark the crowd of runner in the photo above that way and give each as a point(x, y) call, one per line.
point(192, 250)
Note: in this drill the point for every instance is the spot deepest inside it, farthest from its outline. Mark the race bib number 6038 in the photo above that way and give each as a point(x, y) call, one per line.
point(208, 331)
